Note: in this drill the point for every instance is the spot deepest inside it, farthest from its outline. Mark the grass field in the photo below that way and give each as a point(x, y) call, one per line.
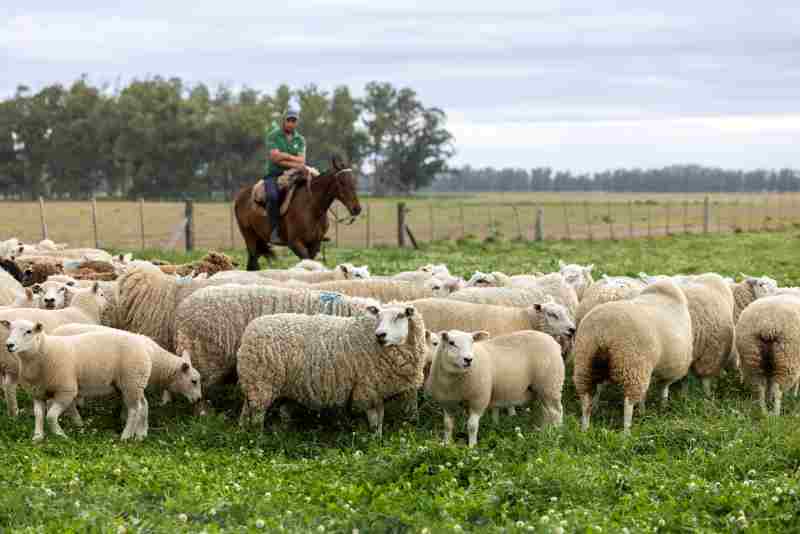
point(504, 216)
point(695, 466)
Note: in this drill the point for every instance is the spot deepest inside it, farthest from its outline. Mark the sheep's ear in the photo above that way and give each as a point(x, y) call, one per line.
point(28, 293)
point(561, 264)
point(186, 367)
point(95, 288)
point(36, 289)
point(186, 355)
point(410, 311)
point(38, 328)
point(480, 336)
point(373, 310)
point(427, 335)
point(443, 335)
point(6, 324)
point(345, 269)
point(537, 307)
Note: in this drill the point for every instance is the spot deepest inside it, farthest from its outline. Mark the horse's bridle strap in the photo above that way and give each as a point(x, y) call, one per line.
point(343, 170)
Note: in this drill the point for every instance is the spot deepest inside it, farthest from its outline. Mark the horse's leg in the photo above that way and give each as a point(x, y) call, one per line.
point(299, 250)
point(313, 249)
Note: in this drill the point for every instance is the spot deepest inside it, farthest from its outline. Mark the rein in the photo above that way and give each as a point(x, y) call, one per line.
point(344, 220)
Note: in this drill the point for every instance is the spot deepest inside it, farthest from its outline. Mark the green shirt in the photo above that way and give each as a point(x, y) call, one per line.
point(296, 146)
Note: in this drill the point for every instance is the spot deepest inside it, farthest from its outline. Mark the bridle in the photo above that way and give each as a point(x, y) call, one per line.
point(344, 220)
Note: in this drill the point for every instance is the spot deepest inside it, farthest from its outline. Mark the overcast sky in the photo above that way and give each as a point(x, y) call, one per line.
point(584, 85)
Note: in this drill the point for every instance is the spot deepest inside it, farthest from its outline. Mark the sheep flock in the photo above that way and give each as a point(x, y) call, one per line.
point(83, 323)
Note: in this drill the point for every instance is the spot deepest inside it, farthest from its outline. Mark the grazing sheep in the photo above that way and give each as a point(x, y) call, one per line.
point(607, 289)
point(9, 288)
point(748, 290)
point(88, 365)
point(170, 374)
point(49, 245)
point(86, 307)
point(630, 342)
point(768, 343)
point(577, 276)
point(325, 361)
point(385, 290)
point(436, 269)
point(11, 248)
point(210, 323)
point(476, 372)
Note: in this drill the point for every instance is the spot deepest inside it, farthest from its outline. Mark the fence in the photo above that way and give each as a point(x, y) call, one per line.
point(169, 225)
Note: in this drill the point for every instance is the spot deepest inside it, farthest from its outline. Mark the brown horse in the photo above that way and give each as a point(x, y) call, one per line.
point(305, 223)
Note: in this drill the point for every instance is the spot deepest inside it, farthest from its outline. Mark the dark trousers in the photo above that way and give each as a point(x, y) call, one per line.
point(273, 200)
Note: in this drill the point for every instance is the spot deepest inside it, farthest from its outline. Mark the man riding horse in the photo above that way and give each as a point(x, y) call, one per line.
point(286, 150)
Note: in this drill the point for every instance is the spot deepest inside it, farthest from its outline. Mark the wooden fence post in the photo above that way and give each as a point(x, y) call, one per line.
point(232, 223)
point(432, 218)
point(764, 221)
point(719, 216)
point(94, 222)
point(539, 224)
point(401, 224)
point(706, 215)
point(141, 221)
point(42, 217)
point(189, 214)
point(686, 216)
point(492, 232)
point(649, 220)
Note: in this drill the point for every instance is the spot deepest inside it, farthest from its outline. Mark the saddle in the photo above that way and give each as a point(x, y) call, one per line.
point(288, 182)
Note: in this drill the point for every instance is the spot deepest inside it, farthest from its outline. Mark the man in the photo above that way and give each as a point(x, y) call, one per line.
point(286, 149)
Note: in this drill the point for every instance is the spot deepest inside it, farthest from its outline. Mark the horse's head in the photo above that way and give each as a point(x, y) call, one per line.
point(345, 186)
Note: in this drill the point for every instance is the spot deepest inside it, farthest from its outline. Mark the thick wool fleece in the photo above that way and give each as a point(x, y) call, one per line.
point(382, 290)
point(9, 289)
point(500, 296)
point(743, 296)
point(147, 300)
point(309, 277)
point(210, 323)
point(325, 361)
point(607, 290)
point(711, 308)
point(768, 341)
point(630, 341)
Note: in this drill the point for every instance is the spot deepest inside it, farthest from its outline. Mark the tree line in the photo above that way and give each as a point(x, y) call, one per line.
point(163, 137)
point(672, 179)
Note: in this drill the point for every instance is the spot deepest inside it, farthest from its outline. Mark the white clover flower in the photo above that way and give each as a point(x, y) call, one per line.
point(358, 454)
point(553, 499)
point(260, 524)
point(183, 518)
point(544, 519)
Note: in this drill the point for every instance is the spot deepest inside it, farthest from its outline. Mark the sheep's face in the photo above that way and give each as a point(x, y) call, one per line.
point(763, 286)
point(187, 381)
point(27, 276)
point(480, 279)
point(393, 324)
point(51, 295)
point(351, 272)
point(22, 334)
point(435, 269)
point(438, 287)
point(577, 276)
point(557, 321)
point(456, 349)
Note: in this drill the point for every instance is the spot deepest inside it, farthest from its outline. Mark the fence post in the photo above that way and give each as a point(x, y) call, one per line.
point(492, 232)
point(368, 224)
point(566, 221)
point(706, 215)
point(189, 213)
point(764, 221)
point(719, 217)
point(141, 220)
point(539, 224)
point(94, 222)
point(42, 217)
point(401, 224)
point(630, 218)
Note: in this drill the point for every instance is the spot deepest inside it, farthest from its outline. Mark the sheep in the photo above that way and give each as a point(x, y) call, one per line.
point(89, 365)
point(12, 268)
point(345, 271)
point(472, 370)
point(210, 323)
point(517, 290)
point(607, 289)
point(146, 300)
point(309, 265)
point(325, 361)
point(768, 343)
point(86, 307)
point(629, 343)
point(170, 374)
point(11, 248)
point(38, 272)
point(499, 296)
point(51, 295)
point(83, 254)
point(24, 299)
point(385, 290)
point(748, 290)
point(48, 244)
point(10, 288)
point(578, 276)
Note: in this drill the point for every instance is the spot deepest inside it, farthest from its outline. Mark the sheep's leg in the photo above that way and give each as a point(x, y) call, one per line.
point(642, 406)
point(244, 417)
point(133, 407)
point(627, 415)
point(512, 411)
point(760, 395)
point(553, 412)
point(449, 421)
point(685, 387)
point(708, 382)
point(777, 395)
point(60, 403)
point(473, 421)
point(596, 398)
point(495, 415)
point(166, 397)
point(586, 410)
point(72, 412)
point(10, 391)
point(664, 394)
point(375, 418)
point(39, 408)
point(143, 421)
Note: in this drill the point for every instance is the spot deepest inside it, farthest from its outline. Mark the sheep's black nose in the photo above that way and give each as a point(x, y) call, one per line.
point(571, 331)
point(381, 335)
point(9, 347)
point(357, 210)
point(468, 360)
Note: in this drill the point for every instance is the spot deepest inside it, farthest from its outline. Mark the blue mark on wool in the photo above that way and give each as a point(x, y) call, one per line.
point(328, 297)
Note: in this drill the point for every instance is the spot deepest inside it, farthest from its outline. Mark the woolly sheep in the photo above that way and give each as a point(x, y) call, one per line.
point(86, 307)
point(385, 290)
point(51, 295)
point(748, 290)
point(309, 265)
point(39, 272)
point(768, 343)
point(470, 369)
point(84, 254)
point(11, 248)
point(345, 271)
point(325, 361)
point(607, 289)
point(436, 269)
point(10, 288)
point(25, 299)
point(89, 365)
point(631, 342)
point(577, 276)
point(499, 296)
point(210, 323)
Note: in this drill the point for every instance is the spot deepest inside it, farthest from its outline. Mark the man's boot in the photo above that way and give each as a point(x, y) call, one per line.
point(274, 212)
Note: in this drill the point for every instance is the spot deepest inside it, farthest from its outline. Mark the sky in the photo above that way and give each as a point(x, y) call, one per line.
point(583, 85)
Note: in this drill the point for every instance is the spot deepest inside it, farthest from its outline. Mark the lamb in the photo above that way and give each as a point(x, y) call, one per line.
point(170, 374)
point(9, 288)
point(325, 361)
point(630, 342)
point(91, 364)
point(748, 290)
point(577, 276)
point(86, 307)
point(607, 289)
point(385, 290)
point(472, 370)
point(210, 323)
point(768, 343)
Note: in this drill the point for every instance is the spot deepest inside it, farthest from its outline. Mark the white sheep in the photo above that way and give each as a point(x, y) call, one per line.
point(52, 295)
point(500, 296)
point(325, 361)
point(607, 289)
point(479, 373)
point(385, 290)
point(345, 271)
point(10, 288)
point(630, 342)
point(577, 276)
point(749, 289)
point(25, 299)
point(768, 343)
point(309, 265)
point(89, 365)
